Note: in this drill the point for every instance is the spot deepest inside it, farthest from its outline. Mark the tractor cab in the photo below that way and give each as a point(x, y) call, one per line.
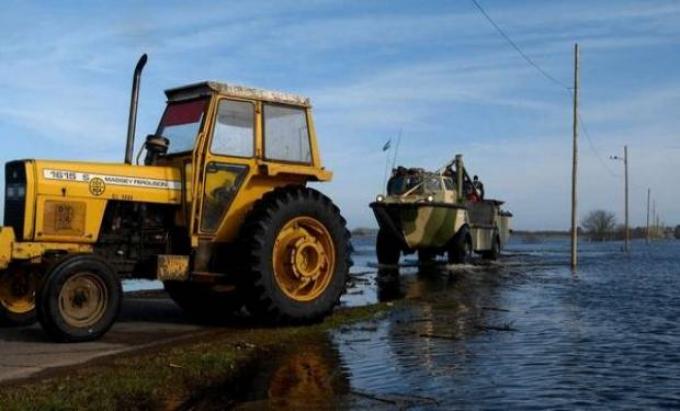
point(225, 138)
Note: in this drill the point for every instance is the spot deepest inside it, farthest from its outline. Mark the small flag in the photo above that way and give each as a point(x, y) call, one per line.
point(387, 145)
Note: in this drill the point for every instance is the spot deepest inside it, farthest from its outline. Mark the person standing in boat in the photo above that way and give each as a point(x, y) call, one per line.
point(478, 186)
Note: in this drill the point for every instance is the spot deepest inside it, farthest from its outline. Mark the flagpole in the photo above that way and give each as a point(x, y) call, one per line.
point(396, 149)
point(386, 148)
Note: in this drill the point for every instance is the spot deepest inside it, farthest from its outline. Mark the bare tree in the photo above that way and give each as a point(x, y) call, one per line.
point(599, 224)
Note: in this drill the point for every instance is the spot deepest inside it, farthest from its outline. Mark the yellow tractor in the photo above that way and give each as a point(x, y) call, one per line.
point(218, 209)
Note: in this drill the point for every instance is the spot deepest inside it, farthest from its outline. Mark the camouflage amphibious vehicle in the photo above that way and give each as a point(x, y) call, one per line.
point(435, 213)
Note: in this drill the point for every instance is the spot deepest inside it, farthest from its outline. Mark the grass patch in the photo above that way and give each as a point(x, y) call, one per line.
point(165, 377)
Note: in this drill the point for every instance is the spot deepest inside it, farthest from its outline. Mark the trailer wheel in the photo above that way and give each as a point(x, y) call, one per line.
point(17, 296)
point(296, 256)
point(201, 301)
point(495, 250)
point(426, 256)
point(460, 248)
point(387, 248)
point(80, 299)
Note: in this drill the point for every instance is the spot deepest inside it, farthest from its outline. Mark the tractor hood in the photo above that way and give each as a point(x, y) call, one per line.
point(115, 181)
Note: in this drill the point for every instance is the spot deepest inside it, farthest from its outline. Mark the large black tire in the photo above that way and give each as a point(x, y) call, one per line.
point(80, 299)
point(311, 216)
point(202, 302)
point(387, 248)
point(460, 247)
point(17, 297)
point(495, 250)
point(426, 256)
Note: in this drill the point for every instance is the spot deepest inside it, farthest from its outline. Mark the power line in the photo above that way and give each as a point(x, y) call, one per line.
point(592, 146)
point(547, 76)
point(518, 49)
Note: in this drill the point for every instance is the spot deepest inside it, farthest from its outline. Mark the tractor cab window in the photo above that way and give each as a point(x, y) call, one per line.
point(222, 182)
point(286, 135)
point(180, 124)
point(234, 129)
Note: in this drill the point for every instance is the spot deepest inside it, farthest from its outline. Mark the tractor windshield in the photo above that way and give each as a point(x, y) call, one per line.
point(180, 124)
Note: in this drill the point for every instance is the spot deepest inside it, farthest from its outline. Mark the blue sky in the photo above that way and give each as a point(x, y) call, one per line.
point(436, 70)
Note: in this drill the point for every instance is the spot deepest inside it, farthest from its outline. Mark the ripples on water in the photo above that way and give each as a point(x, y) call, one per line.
point(526, 333)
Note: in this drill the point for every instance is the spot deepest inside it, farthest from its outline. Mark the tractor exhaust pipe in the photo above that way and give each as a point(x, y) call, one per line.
point(132, 120)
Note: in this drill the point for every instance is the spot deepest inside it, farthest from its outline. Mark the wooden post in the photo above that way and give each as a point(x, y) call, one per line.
point(574, 173)
point(625, 164)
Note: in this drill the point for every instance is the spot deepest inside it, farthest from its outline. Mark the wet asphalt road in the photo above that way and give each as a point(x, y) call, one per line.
point(144, 321)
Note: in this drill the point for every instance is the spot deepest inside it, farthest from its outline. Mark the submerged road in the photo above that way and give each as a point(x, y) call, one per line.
point(145, 320)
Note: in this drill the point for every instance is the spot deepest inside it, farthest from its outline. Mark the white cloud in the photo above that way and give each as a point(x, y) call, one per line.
point(444, 77)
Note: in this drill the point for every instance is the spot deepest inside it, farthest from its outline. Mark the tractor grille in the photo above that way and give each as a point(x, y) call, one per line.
point(15, 196)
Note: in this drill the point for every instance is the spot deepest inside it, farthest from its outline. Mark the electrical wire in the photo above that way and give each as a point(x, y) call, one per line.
point(582, 123)
point(547, 76)
point(517, 48)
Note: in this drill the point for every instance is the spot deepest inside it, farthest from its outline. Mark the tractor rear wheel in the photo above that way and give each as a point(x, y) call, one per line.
point(17, 296)
point(296, 256)
point(202, 301)
point(387, 248)
point(80, 299)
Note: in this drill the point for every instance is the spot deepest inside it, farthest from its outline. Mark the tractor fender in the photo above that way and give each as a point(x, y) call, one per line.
point(7, 239)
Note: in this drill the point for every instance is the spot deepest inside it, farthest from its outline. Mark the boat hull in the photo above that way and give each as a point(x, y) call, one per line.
point(420, 225)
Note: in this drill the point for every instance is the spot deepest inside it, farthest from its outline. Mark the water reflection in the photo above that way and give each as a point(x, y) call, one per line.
point(520, 334)
point(305, 376)
point(388, 284)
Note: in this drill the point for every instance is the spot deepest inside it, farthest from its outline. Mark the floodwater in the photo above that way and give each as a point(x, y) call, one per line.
point(525, 332)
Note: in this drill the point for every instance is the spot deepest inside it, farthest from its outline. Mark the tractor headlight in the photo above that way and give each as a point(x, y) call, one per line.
point(15, 191)
point(430, 199)
point(380, 198)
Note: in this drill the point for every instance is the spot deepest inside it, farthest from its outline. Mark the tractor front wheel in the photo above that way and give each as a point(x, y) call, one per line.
point(80, 299)
point(296, 256)
point(17, 296)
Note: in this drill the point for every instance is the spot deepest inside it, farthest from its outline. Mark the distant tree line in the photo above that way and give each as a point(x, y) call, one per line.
point(601, 225)
point(364, 231)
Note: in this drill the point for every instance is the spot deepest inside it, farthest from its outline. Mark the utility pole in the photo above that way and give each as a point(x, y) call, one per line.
point(654, 216)
point(574, 174)
point(625, 164)
point(649, 194)
point(626, 235)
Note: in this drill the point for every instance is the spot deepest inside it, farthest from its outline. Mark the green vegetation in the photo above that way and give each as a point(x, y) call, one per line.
point(165, 378)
